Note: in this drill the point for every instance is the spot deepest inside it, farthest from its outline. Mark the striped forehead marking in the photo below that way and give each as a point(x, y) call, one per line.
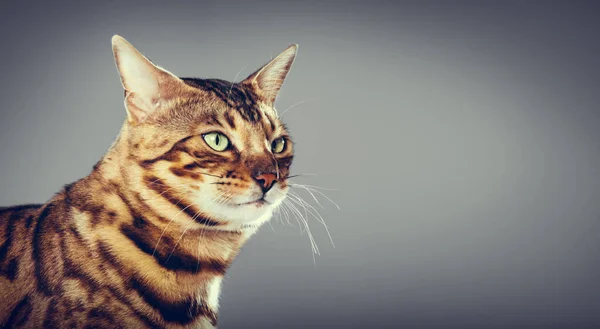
point(235, 95)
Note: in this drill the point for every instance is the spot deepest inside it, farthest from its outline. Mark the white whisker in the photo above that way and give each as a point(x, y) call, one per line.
point(313, 212)
point(319, 192)
point(314, 246)
point(294, 105)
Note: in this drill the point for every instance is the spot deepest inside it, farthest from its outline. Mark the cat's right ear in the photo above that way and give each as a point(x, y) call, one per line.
point(146, 85)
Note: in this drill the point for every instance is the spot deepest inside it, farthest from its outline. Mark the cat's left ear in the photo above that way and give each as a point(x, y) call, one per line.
point(267, 81)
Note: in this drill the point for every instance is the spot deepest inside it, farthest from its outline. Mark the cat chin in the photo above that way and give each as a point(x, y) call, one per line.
point(241, 216)
point(247, 224)
point(244, 212)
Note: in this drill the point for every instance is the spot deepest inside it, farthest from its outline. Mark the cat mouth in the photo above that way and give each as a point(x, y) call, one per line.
point(258, 202)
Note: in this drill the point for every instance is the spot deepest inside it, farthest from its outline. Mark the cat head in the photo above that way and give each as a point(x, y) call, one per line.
point(204, 151)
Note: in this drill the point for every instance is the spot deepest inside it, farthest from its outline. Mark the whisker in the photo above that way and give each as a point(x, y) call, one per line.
point(292, 213)
point(294, 105)
point(319, 192)
point(314, 186)
point(315, 213)
point(167, 226)
point(204, 229)
point(233, 82)
point(285, 213)
point(301, 174)
point(181, 236)
point(315, 248)
point(313, 196)
point(273, 228)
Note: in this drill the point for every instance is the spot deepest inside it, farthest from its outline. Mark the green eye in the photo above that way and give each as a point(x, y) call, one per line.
point(217, 141)
point(278, 145)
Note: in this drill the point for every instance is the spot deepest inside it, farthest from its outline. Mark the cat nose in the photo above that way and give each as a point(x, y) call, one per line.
point(266, 181)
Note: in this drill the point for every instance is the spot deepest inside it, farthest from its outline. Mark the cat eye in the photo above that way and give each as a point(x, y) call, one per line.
point(278, 145)
point(216, 141)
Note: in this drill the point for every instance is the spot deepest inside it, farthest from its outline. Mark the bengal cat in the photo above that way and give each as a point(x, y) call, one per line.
point(144, 240)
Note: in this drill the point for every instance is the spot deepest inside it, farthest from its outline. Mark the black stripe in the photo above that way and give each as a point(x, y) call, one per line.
point(271, 123)
point(10, 228)
point(185, 173)
point(84, 204)
point(285, 162)
point(42, 281)
point(99, 318)
point(235, 95)
point(28, 221)
point(20, 207)
point(180, 312)
point(51, 320)
point(20, 314)
point(208, 157)
point(145, 235)
point(168, 155)
point(230, 120)
point(108, 257)
point(11, 269)
point(132, 212)
point(212, 119)
point(249, 110)
point(74, 270)
point(191, 166)
point(162, 189)
point(146, 319)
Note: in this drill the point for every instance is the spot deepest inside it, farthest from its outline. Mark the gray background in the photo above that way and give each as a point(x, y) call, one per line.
point(463, 139)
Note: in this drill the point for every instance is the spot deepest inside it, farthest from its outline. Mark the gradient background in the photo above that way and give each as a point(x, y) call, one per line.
point(463, 139)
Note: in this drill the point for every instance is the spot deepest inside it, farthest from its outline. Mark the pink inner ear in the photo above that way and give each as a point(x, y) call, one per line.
point(144, 82)
point(137, 109)
point(138, 75)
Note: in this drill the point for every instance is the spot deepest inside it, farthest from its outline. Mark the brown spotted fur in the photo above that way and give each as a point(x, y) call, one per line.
point(86, 259)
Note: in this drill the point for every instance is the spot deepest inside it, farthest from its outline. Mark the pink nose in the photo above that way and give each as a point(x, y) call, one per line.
point(266, 181)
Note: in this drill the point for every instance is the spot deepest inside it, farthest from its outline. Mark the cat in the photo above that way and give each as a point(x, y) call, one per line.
point(144, 240)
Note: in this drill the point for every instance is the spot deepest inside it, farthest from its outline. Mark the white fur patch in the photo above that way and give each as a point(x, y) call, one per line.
point(213, 291)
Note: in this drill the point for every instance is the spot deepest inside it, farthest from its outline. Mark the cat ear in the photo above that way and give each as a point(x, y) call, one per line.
point(146, 85)
point(268, 79)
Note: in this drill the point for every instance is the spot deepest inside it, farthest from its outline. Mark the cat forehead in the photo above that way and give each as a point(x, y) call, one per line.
point(231, 93)
point(234, 102)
